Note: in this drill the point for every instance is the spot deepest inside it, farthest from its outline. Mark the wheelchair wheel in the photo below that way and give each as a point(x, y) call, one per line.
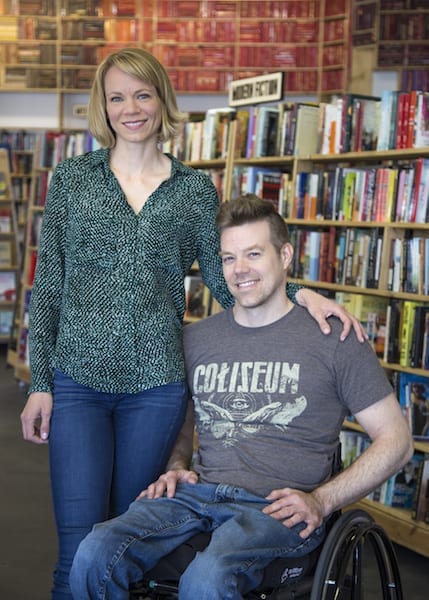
point(339, 571)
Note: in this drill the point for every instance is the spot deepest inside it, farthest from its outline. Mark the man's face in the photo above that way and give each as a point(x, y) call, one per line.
point(254, 270)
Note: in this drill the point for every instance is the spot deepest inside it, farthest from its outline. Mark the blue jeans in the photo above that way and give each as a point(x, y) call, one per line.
point(243, 542)
point(104, 449)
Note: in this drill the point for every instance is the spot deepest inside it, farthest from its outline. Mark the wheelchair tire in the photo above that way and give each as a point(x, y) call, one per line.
point(344, 546)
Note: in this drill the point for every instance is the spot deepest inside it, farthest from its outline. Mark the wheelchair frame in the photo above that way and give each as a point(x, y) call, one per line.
point(338, 574)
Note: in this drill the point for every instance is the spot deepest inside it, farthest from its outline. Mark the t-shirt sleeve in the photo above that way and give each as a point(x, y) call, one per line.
point(360, 378)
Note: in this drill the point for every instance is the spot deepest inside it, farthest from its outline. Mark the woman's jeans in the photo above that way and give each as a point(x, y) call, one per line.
point(104, 450)
point(243, 542)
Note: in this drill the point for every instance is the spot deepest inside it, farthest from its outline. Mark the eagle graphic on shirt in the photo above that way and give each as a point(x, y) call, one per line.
point(239, 417)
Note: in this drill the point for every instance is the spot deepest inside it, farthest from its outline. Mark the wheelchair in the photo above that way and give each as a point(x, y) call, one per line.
point(334, 571)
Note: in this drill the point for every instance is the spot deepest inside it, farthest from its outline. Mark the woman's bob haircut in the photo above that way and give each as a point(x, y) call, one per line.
point(144, 66)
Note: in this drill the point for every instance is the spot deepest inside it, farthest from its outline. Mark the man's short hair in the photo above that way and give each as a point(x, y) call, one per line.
point(249, 208)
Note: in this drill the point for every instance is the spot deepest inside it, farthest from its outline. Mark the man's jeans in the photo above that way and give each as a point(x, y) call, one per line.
point(244, 541)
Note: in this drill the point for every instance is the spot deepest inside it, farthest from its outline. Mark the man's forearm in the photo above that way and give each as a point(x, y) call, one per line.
point(380, 461)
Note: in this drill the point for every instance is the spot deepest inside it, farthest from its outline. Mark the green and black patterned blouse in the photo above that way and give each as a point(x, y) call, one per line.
point(108, 297)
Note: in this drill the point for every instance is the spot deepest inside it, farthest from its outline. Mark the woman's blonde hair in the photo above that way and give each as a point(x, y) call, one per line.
point(144, 66)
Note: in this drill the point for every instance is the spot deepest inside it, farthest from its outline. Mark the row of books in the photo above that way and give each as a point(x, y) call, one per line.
point(290, 9)
point(353, 256)
point(407, 334)
point(51, 147)
point(403, 27)
point(32, 7)
point(397, 329)
point(18, 140)
point(345, 256)
point(409, 264)
point(407, 489)
point(351, 122)
point(367, 194)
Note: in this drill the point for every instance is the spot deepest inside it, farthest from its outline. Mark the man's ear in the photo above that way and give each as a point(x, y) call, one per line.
point(286, 252)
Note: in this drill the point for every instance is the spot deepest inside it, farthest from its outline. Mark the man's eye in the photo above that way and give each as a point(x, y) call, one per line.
point(227, 260)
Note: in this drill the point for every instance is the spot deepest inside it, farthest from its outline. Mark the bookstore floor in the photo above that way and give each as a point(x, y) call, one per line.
point(28, 543)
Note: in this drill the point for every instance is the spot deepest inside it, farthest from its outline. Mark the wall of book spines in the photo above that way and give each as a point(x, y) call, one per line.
point(406, 334)
point(348, 123)
point(407, 489)
point(397, 30)
point(354, 256)
point(398, 330)
point(337, 255)
point(372, 194)
point(203, 44)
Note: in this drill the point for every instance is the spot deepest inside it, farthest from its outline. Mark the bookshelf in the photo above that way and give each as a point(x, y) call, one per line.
point(397, 33)
point(55, 45)
point(9, 251)
point(397, 522)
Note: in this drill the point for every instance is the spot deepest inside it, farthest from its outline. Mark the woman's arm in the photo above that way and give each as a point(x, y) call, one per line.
point(46, 295)
point(320, 308)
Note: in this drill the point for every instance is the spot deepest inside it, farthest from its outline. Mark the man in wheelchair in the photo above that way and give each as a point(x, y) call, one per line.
point(269, 395)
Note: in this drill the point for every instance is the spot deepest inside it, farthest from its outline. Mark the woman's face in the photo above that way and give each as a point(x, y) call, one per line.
point(132, 106)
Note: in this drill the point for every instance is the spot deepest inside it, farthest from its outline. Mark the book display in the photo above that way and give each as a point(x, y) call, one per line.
point(55, 46)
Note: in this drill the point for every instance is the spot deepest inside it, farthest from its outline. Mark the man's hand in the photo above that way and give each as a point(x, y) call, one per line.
point(293, 506)
point(320, 308)
point(36, 416)
point(166, 483)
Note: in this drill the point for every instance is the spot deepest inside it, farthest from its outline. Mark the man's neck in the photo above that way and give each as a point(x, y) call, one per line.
point(260, 316)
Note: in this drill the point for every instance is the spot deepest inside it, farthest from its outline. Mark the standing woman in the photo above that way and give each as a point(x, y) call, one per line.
point(122, 227)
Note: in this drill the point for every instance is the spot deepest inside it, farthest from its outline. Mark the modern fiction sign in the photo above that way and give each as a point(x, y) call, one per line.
point(252, 90)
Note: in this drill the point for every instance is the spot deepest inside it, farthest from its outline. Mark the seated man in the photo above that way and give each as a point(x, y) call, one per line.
point(269, 395)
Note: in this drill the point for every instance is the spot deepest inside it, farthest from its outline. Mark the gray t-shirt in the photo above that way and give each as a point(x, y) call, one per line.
point(270, 401)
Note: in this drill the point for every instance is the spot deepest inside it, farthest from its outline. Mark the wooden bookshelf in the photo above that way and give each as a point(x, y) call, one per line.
point(54, 46)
